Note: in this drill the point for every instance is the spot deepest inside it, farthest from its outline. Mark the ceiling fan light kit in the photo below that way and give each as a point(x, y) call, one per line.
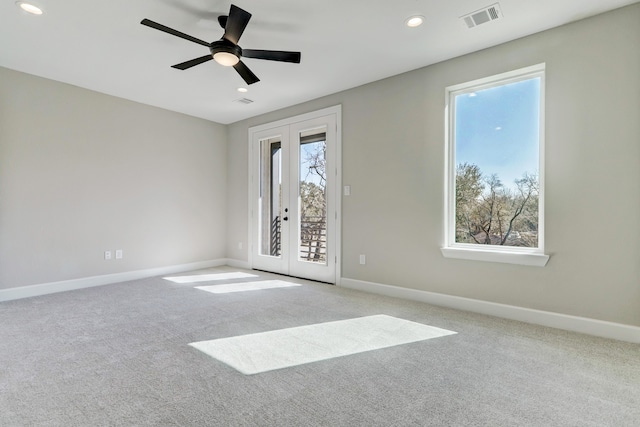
point(225, 58)
point(226, 51)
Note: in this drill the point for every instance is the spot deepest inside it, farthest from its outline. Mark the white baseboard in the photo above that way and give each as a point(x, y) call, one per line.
point(235, 263)
point(583, 325)
point(88, 282)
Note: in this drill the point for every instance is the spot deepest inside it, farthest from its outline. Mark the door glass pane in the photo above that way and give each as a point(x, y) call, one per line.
point(312, 232)
point(270, 214)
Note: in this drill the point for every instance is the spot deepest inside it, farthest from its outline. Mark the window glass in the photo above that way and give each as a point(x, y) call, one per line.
point(494, 184)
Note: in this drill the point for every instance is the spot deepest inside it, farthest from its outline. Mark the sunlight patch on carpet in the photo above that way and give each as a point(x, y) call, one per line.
point(283, 348)
point(195, 278)
point(247, 286)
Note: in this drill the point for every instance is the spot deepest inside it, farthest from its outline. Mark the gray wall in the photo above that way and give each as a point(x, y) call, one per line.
point(393, 158)
point(82, 172)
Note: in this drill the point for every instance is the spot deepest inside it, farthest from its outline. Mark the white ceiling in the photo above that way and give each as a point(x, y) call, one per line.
point(100, 45)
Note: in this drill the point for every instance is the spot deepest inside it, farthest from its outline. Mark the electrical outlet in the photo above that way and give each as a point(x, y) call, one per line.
point(107, 254)
point(363, 259)
point(118, 253)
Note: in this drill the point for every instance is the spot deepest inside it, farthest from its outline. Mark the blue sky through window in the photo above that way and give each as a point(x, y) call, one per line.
point(307, 151)
point(498, 129)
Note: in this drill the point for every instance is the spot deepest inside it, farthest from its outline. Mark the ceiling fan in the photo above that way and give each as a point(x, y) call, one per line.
point(226, 51)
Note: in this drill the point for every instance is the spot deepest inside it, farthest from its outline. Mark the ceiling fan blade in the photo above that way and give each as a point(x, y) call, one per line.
point(222, 20)
point(152, 24)
point(246, 73)
point(236, 23)
point(193, 62)
point(272, 55)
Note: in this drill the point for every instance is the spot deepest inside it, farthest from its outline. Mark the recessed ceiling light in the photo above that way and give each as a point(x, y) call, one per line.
point(243, 89)
point(414, 21)
point(28, 7)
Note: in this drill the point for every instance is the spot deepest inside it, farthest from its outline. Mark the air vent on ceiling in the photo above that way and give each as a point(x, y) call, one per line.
point(244, 100)
point(482, 16)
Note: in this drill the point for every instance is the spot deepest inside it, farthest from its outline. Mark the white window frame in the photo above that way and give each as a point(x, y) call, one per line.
point(490, 253)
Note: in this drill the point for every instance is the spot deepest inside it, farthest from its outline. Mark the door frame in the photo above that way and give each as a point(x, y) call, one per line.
point(337, 232)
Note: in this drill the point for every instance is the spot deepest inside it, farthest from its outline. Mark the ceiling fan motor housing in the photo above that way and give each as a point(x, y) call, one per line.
point(224, 45)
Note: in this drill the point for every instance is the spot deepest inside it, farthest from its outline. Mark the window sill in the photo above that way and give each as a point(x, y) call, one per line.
point(521, 258)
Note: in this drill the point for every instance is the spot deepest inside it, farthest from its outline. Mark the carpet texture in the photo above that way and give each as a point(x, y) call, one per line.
point(118, 355)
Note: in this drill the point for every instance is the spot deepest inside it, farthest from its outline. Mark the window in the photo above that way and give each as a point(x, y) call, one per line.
point(495, 176)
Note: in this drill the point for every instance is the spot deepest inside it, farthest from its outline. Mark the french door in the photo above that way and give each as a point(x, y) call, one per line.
point(293, 190)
